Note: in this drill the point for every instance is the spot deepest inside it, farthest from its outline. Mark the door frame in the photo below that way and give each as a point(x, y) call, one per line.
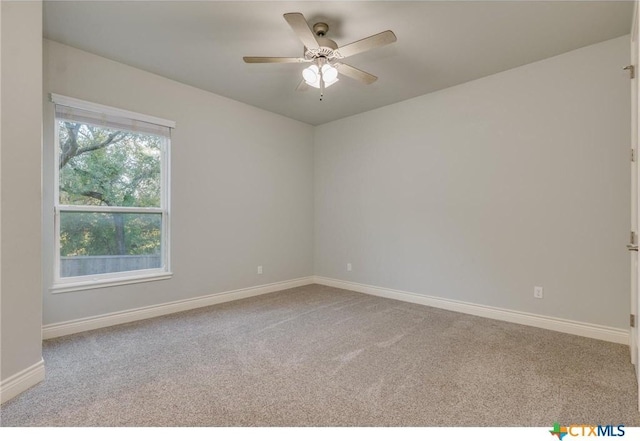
point(634, 336)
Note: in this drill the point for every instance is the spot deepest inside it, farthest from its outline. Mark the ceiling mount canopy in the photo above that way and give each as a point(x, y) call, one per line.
point(320, 29)
point(324, 55)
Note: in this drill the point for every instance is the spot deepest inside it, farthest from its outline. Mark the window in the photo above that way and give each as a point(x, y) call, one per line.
point(111, 195)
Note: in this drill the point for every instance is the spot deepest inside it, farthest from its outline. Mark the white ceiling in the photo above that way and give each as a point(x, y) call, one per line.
point(440, 44)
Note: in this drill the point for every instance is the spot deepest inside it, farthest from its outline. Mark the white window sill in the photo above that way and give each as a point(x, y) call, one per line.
point(104, 283)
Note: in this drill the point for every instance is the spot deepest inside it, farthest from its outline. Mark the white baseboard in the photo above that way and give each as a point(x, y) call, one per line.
point(20, 382)
point(131, 315)
point(598, 332)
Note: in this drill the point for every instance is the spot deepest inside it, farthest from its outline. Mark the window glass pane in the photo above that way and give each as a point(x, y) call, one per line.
point(102, 166)
point(98, 243)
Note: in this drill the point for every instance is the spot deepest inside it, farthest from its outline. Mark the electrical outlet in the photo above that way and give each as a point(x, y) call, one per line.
point(348, 267)
point(538, 292)
point(260, 269)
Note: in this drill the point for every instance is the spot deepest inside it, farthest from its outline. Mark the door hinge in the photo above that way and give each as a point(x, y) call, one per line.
point(632, 238)
point(633, 155)
point(632, 71)
point(632, 320)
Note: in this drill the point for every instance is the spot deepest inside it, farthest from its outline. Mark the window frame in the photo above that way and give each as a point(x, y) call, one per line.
point(76, 283)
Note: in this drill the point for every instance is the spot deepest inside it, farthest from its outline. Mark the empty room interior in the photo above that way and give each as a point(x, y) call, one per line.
point(321, 214)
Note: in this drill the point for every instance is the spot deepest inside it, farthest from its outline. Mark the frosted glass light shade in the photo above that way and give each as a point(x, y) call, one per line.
point(329, 74)
point(311, 74)
point(329, 83)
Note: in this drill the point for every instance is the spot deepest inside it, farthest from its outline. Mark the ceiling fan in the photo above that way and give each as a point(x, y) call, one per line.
point(324, 54)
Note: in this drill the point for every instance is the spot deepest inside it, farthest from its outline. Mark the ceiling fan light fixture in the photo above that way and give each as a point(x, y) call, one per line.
point(329, 74)
point(316, 83)
point(328, 83)
point(311, 74)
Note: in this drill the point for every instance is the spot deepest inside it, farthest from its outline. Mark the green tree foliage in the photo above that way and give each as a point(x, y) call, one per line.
point(101, 166)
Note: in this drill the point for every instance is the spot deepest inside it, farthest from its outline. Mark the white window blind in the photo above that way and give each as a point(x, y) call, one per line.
point(73, 109)
point(110, 121)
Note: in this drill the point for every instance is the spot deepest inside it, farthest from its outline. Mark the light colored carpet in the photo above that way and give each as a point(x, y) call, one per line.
point(320, 356)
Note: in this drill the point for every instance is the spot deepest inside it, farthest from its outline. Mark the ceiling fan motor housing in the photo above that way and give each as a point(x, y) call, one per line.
point(327, 46)
point(327, 49)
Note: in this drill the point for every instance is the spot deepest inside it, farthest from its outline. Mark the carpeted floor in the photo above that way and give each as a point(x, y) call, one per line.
point(320, 356)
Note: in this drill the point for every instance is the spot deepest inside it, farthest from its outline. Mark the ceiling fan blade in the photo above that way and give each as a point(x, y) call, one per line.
point(274, 60)
point(302, 86)
point(355, 73)
point(300, 26)
point(381, 39)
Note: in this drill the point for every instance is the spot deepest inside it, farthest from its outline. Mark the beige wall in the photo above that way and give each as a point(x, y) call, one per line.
point(241, 193)
point(479, 192)
point(21, 216)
